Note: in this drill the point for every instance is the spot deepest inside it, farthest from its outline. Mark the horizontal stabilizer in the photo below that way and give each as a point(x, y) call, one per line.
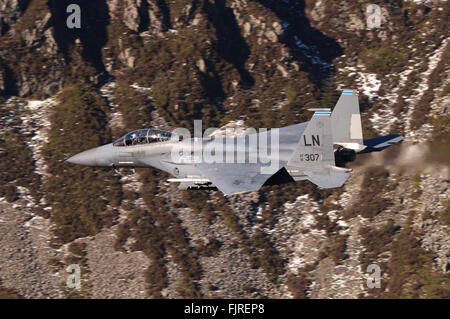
point(330, 177)
point(380, 143)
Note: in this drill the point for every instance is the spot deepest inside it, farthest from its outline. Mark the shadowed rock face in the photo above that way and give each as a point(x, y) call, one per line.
point(305, 42)
point(8, 85)
point(230, 43)
point(141, 16)
point(92, 34)
point(10, 11)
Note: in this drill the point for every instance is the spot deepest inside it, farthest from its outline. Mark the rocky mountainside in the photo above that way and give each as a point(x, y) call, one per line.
point(257, 63)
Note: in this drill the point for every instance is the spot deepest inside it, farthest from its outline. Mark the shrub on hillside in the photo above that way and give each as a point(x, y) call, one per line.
point(79, 195)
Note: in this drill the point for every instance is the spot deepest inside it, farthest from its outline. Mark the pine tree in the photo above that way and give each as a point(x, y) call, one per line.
point(329, 93)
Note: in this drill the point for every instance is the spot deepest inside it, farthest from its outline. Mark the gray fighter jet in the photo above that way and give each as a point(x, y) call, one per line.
point(316, 151)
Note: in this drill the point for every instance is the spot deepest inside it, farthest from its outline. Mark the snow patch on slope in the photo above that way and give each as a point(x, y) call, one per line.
point(39, 116)
point(368, 83)
point(423, 133)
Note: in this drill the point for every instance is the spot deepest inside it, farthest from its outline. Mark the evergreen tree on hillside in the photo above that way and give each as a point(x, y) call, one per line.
point(329, 93)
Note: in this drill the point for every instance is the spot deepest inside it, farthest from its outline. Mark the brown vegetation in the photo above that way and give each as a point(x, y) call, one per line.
point(371, 203)
point(298, 285)
point(79, 196)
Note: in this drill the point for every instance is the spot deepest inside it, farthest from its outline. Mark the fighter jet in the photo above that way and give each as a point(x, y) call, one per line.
point(317, 151)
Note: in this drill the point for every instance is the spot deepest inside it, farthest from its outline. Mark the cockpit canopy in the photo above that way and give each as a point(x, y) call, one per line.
point(146, 136)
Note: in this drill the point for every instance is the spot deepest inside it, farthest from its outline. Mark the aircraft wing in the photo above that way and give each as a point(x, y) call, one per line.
point(329, 177)
point(234, 178)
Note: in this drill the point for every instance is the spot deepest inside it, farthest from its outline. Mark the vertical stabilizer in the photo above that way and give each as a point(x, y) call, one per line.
point(314, 154)
point(346, 121)
point(316, 144)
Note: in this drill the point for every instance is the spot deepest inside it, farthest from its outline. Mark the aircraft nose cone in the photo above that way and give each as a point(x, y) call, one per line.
point(87, 158)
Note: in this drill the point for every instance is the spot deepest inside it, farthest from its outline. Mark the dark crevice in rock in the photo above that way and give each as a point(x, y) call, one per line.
point(92, 34)
point(189, 15)
point(23, 5)
point(211, 83)
point(230, 43)
point(10, 87)
point(304, 41)
point(144, 16)
point(166, 23)
point(9, 18)
point(4, 27)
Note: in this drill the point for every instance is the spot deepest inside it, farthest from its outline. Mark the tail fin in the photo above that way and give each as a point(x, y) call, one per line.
point(314, 155)
point(346, 122)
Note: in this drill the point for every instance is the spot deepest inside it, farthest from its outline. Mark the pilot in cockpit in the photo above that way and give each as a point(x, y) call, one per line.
point(134, 139)
point(146, 136)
